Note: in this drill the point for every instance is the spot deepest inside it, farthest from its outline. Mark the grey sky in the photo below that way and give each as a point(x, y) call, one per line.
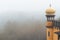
point(27, 5)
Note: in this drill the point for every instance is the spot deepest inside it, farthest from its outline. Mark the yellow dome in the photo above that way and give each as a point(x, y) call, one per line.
point(50, 10)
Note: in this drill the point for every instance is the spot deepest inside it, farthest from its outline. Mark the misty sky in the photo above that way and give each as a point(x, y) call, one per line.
point(27, 5)
point(23, 9)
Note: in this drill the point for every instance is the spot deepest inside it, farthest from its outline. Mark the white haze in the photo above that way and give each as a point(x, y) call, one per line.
point(29, 16)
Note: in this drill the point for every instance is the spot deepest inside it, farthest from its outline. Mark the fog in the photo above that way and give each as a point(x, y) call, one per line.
point(24, 19)
point(19, 26)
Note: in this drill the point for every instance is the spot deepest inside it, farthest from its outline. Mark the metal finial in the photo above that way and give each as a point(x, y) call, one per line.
point(50, 5)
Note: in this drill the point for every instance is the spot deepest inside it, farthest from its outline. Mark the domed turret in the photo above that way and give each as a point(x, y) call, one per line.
point(50, 17)
point(50, 10)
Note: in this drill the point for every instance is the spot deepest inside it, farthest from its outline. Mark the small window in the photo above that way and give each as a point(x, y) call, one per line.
point(57, 28)
point(48, 33)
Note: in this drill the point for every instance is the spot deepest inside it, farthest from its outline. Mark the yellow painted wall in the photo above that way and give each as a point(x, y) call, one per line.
point(55, 36)
point(51, 34)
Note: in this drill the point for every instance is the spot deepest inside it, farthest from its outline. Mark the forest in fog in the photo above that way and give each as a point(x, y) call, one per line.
point(29, 29)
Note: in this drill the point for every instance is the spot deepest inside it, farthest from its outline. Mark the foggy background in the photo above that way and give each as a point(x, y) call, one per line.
point(24, 19)
point(22, 27)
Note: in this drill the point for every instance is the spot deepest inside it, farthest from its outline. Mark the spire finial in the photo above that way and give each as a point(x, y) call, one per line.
point(50, 5)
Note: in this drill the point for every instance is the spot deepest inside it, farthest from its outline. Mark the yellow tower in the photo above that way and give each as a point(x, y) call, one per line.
point(49, 23)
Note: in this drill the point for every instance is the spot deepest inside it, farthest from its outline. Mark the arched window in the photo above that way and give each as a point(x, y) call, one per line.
point(57, 28)
point(48, 33)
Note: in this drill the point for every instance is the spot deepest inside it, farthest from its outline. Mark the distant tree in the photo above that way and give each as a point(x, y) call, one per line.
point(28, 30)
